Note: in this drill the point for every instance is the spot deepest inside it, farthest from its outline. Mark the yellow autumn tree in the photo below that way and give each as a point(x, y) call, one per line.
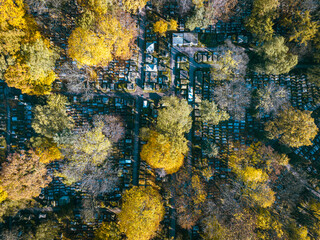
point(87, 48)
point(12, 14)
point(3, 194)
point(134, 5)
point(141, 213)
point(164, 153)
point(160, 27)
point(173, 25)
point(46, 149)
point(254, 166)
point(98, 44)
point(293, 128)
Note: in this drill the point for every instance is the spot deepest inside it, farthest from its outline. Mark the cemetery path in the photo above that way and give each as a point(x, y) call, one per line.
point(136, 157)
point(8, 130)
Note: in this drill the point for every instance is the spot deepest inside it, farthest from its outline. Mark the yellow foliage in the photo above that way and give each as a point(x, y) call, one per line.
point(200, 194)
point(141, 214)
point(48, 151)
point(253, 175)
point(108, 38)
point(12, 14)
point(160, 152)
point(173, 25)
point(87, 48)
point(160, 27)
point(267, 222)
point(293, 127)
point(262, 195)
point(134, 5)
point(3, 194)
point(18, 76)
point(11, 40)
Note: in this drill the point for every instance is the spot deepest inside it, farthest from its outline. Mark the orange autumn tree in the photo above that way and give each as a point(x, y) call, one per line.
point(22, 176)
point(141, 213)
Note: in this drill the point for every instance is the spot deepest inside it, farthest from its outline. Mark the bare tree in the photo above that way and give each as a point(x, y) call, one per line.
point(113, 126)
point(78, 81)
point(99, 179)
point(10, 234)
point(233, 97)
point(184, 6)
point(271, 99)
point(231, 64)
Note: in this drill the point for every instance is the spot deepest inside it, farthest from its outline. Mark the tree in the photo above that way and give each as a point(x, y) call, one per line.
point(46, 149)
point(210, 149)
point(113, 126)
point(212, 229)
point(271, 99)
point(231, 63)
point(89, 209)
point(209, 12)
point(134, 5)
point(275, 57)
point(314, 75)
point(190, 198)
point(99, 179)
point(304, 29)
point(12, 14)
point(108, 230)
point(160, 27)
point(256, 167)
point(33, 72)
point(10, 234)
point(108, 37)
point(264, 7)
point(174, 117)
point(86, 146)
point(46, 230)
point(293, 127)
point(211, 114)
point(52, 118)
point(233, 97)
point(261, 27)
point(23, 176)
point(79, 80)
point(198, 19)
point(88, 49)
point(141, 214)
point(298, 232)
point(163, 153)
point(173, 25)
point(260, 23)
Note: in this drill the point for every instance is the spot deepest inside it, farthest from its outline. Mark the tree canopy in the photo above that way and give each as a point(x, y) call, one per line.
point(255, 166)
point(52, 118)
point(275, 57)
point(211, 114)
point(23, 176)
point(293, 128)
point(101, 37)
point(271, 99)
point(174, 116)
point(164, 153)
point(108, 230)
point(141, 213)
